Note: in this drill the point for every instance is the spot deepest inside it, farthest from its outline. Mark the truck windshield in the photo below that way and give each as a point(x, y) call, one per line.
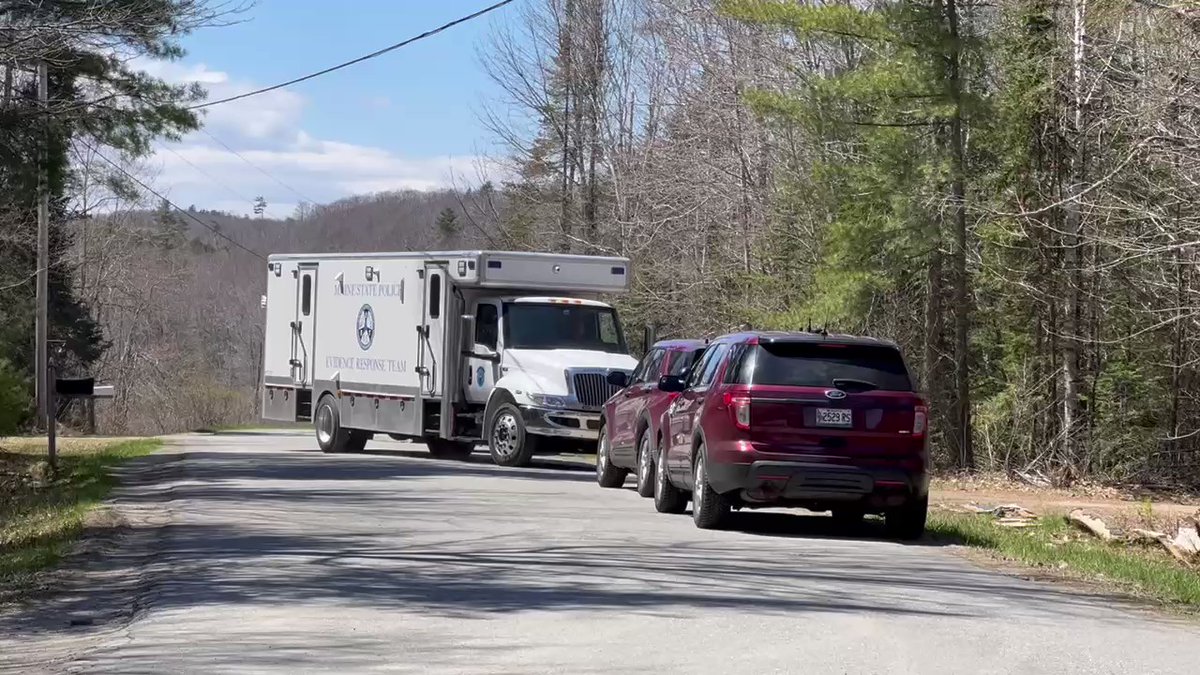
point(556, 326)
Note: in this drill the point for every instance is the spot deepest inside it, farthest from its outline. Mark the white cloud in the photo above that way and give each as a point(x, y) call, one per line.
point(267, 131)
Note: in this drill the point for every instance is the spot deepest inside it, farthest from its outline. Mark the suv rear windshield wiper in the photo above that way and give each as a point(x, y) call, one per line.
point(854, 386)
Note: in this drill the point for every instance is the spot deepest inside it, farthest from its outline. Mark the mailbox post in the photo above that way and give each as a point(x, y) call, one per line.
point(69, 388)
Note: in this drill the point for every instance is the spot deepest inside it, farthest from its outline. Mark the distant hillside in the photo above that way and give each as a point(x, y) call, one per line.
point(180, 306)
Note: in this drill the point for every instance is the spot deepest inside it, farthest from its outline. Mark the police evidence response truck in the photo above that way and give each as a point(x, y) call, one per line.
point(448, 348)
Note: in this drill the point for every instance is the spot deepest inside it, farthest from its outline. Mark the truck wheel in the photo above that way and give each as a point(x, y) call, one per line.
point(508, 442)
point(710, 510)
point(608, 475)
point(331, 436)
point(444, 449)
point(645, 465)
point(667, 497)
point(908, 521)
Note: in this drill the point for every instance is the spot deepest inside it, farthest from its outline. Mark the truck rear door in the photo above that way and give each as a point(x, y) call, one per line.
point(432, 330)
point(304, 327)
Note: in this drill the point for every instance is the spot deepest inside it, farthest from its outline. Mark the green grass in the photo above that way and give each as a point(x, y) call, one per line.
point(39, 518)
point(1143, 571)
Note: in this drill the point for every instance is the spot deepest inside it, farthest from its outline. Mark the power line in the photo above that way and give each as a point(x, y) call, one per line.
point(240, 197)
point(211, 228)
point(360, 59)
point(261, 170)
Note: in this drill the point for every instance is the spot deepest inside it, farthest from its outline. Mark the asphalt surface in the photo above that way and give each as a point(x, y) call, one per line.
point(255, 553)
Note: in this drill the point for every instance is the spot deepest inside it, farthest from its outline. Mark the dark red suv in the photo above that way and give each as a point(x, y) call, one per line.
point(629, 422)
point(823, 422)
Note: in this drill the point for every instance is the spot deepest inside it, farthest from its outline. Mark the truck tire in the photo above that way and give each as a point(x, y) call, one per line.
point(667, 497)
point(710, 510)
point(608, 475)
point(444, 449)
point(508, 442)
point(907, 522)
point(332, 437)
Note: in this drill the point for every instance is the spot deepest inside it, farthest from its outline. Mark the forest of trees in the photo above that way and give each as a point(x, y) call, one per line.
point(1009, 190)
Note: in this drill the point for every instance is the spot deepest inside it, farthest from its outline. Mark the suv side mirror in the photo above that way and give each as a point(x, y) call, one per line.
point(672, 384)
point(618, 378)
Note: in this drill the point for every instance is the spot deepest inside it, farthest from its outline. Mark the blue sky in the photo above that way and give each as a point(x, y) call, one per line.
point(407, 119)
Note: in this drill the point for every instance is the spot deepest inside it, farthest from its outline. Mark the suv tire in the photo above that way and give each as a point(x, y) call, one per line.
point(608, 475)
point(907, 522)
point(667, 497)
point(710, 510)
point(645, 465)
point(508, 442)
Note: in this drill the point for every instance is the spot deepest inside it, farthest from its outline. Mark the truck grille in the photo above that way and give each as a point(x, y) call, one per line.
point(593, 389)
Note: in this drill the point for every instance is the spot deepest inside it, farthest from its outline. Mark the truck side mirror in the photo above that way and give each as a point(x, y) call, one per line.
point(618, 379)
point(672, 384)
point(467, 326)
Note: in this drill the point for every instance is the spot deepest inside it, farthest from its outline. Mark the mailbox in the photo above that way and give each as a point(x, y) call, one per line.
point(74, 387)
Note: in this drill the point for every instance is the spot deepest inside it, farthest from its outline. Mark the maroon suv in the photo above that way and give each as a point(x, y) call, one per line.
point(824, 422)
point(629, 422)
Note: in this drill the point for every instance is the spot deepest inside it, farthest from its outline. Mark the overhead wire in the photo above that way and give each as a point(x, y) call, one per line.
point(240, 197)
point(211, 228)
point(366, 57)
point(258, 168)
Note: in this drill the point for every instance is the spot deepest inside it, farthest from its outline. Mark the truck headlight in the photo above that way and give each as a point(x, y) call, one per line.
point(547, 401)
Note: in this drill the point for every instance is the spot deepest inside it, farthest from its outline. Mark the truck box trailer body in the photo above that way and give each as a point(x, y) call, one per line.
point(452, 348)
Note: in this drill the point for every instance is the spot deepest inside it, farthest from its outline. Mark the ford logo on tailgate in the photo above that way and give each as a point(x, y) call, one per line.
point(835, 394)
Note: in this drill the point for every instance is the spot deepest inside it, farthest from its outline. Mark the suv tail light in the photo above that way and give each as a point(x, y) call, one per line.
point(920, 420)
point(739, 410)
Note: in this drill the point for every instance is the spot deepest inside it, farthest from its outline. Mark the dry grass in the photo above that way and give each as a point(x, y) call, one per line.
point(41, 514)
point(1054, 545)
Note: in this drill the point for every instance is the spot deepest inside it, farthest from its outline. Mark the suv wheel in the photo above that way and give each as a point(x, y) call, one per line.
point(667, 497)
point(508, 442)
point(608, 475)
point(710, 510)
point(908, 521)
point(645, 465)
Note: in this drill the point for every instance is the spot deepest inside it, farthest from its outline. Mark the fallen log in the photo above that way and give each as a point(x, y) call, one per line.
point(1165, 541)
point(1091, 524)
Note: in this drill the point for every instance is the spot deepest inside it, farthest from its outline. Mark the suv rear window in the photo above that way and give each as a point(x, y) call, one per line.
point(800, 364)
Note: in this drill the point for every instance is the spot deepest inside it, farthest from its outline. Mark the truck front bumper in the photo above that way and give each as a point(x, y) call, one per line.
point(561, 423)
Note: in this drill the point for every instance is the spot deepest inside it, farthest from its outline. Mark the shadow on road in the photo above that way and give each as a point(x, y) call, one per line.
point(273, 528)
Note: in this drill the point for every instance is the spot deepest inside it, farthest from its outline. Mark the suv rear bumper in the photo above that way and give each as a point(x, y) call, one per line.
point(768, 482)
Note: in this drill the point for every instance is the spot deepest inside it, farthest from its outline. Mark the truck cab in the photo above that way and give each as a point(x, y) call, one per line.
point(540, 365)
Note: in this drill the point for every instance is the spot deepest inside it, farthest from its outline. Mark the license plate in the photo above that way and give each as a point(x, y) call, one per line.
point(834, 417)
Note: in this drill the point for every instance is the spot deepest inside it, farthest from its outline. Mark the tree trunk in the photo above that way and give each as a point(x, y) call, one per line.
point(566, 73)
point(958, 189)
point(1072, 243)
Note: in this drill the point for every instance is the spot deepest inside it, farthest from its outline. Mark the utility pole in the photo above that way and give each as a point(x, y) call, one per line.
point(43, 252)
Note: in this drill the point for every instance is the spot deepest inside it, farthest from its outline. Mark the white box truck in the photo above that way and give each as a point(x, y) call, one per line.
point(450, 348)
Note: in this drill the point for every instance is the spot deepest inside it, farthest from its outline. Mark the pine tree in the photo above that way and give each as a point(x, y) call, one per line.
point(97, 99)
point(447, 224)
point(889, 103)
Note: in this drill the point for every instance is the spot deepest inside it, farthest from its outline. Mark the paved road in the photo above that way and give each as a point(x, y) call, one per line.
point(261, 555)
